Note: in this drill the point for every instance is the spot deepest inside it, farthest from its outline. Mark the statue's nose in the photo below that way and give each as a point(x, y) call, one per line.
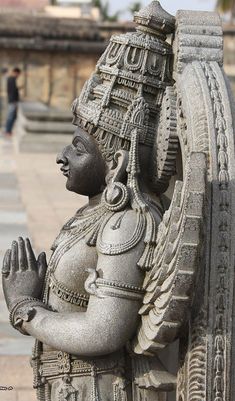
point(61, 157)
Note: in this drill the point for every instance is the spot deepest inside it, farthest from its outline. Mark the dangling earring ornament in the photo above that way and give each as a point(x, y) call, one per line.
point(115, 196)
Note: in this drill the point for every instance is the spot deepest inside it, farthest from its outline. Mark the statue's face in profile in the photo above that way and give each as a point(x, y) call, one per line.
point(83, 165)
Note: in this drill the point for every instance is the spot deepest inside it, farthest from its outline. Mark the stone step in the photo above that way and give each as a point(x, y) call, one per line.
point(42, 143)
point(41, 129)
point(43, 124)
point(46, 127)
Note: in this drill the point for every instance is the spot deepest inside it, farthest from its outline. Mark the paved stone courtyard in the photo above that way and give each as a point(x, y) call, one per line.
point(34, 203)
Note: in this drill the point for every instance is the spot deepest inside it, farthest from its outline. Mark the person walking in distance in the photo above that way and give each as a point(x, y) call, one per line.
point(13, 99)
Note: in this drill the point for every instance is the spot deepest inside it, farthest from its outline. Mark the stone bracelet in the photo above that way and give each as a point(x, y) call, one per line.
point(24, 311)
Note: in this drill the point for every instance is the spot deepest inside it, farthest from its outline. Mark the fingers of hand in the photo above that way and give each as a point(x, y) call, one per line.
point(14, 257)
point(42, 264)
point(6, 266)
point(23, 262)
point(32, 263)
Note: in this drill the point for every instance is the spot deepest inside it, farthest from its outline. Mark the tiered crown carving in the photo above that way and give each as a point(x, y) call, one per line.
point(134, 70)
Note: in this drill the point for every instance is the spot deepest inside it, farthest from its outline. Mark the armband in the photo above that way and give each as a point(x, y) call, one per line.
point(106, 288)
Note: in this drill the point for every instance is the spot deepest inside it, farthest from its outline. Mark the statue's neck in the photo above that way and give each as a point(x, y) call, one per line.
point(94, 201)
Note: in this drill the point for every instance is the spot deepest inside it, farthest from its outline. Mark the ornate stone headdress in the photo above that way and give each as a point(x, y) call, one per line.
point(126, 90)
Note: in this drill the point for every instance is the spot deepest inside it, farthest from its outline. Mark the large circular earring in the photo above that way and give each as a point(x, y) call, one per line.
point(115, 196)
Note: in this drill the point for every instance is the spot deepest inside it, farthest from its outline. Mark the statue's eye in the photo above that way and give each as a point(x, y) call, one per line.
point(79, 146)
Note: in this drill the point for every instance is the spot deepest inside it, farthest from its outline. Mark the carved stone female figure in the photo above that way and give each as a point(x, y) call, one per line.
point(83, 337)
point(92, 288)
point(120, 280)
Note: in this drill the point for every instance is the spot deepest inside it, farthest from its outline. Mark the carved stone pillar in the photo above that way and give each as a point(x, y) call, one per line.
point(205, 118)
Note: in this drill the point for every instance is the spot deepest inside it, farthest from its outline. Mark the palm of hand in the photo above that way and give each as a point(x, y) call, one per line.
point(23, 274)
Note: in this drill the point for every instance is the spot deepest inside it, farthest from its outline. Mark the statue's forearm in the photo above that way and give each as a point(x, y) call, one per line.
point(88, 334)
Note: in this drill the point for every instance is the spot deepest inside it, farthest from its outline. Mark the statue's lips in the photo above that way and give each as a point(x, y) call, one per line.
point(65, 171)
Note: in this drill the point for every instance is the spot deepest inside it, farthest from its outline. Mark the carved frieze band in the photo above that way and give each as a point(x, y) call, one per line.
point(66, 294)
point(223, 221)
point(216, 360)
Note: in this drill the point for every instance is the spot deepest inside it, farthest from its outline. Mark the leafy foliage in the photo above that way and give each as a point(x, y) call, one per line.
point(104, 11)
point(134, 7)
point(225, 6)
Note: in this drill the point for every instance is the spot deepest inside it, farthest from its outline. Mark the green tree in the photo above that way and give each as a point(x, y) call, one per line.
point(227, 6)
point(104, 11)
point(134, 7)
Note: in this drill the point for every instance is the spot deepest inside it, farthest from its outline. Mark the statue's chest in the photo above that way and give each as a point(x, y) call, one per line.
point(68, 273)
point(72, 266)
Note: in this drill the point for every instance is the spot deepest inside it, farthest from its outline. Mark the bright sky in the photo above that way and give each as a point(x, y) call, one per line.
point(169, 5)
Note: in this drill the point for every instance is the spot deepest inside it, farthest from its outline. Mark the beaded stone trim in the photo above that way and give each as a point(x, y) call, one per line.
point(67, 295)
point(106, 288)
point(121, 286)
point(118, 290)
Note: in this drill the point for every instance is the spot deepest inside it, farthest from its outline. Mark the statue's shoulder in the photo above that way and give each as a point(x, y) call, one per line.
point(119, 225)
point(124, 230)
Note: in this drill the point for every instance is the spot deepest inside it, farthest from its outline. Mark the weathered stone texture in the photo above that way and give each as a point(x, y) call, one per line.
point(175, 255)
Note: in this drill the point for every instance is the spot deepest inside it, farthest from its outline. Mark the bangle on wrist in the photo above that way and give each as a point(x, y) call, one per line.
point(24, 311)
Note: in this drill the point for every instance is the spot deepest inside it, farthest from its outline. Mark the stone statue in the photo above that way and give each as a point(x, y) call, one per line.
point(149, 259)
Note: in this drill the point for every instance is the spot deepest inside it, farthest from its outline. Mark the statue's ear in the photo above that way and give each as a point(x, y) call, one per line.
point(117, 172)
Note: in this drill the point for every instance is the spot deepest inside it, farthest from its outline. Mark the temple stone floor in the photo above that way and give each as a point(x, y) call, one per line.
point(33, 203)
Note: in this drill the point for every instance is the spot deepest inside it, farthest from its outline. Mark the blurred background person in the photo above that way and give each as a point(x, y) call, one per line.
point(13, 99)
